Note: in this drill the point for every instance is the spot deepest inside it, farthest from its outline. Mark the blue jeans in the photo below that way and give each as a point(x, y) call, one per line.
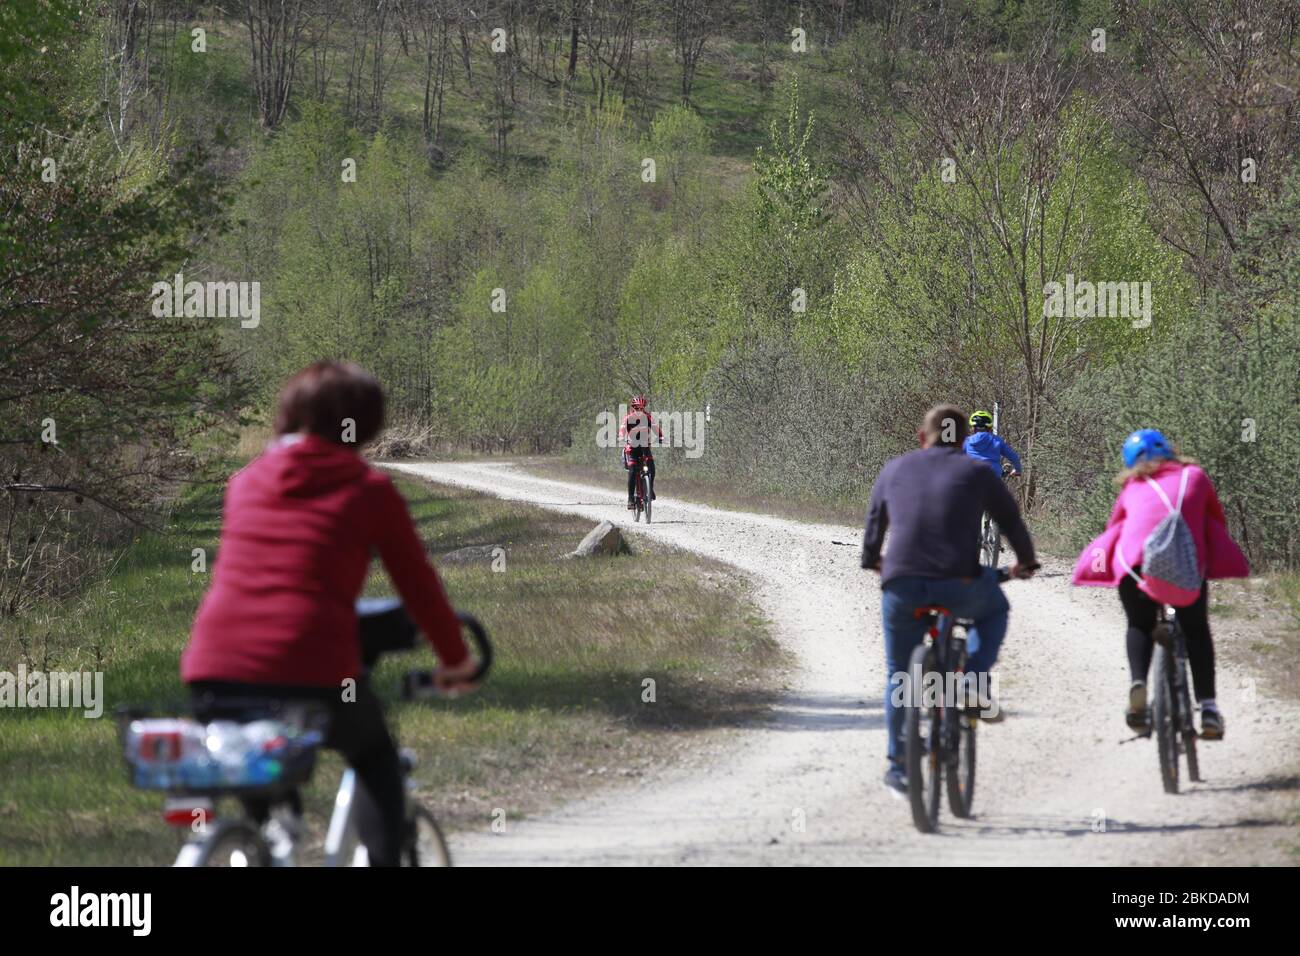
point(978, 599)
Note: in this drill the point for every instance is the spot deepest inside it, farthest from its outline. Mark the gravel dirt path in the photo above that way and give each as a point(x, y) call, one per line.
point(804, 787)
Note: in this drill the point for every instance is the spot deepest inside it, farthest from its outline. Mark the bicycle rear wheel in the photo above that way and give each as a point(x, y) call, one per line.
point(1163, 716)
point(232, 843)
point(990, 542)
point(960, 775)
point(428, 847)
point(921, 724)
point(1186, 722)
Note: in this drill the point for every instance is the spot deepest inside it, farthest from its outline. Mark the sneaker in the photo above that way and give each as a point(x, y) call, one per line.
point(986, 709)
point(1138, 716)
point(896, 781)
point(990, 711)
point(1211, 724)
point(653, 496)
point(631, 506)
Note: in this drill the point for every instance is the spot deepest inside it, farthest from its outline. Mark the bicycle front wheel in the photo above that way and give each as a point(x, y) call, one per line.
point(921, 725)
point(427, 847)
point(1163, 716)
point(645, 493)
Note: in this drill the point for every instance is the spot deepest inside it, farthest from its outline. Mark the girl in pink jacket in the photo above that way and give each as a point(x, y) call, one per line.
point(1114, 559)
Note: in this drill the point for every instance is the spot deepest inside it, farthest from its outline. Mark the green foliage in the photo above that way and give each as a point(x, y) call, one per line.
point(791, 186)
point(34, 35)
point(938, 286)
point(817, 323)
point(1223, 383)
point(104, 402)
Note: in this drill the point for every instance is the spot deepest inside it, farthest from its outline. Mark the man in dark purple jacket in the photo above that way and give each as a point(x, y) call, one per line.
point(931, 501)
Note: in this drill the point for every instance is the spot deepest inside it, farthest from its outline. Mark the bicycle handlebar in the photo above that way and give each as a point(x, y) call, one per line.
point(1004, 574)
point(420, 684)
point(479, 637)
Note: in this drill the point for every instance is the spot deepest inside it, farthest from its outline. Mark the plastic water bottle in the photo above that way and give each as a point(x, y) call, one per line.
point(247, 755)
point(186, 754)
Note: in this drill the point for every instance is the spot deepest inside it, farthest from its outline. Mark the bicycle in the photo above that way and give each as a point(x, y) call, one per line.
point(990, 542)
point(939, 727)
point(642, 499)
point(1171, 703)
point(272, 840)
point(990, 534)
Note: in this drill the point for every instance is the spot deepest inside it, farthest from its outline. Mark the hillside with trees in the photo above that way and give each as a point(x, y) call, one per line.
point(815, 219)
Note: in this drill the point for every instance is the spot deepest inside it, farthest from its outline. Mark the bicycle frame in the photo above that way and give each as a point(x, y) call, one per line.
point(341, 846)
point(947, 635)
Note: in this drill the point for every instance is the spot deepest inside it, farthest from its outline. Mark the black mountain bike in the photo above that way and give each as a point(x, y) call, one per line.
point(939, 727)
point(1171, 702)
point(642, 501)
point(990, 535)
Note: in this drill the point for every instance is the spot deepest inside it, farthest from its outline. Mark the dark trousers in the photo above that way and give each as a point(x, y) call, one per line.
point(1194, 620)
point(634, 469)
point(357, 730)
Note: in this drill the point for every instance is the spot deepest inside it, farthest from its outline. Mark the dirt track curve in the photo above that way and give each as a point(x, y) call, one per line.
point(1048, 776)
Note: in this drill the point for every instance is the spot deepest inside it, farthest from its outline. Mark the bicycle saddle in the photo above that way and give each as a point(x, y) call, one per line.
point(930, 610)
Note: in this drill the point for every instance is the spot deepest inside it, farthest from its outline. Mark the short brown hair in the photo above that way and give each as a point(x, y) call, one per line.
point(323, 396)
point(944, 422)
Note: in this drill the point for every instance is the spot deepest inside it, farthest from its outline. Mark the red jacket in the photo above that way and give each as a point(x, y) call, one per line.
point(636, 430)
point(298, 527)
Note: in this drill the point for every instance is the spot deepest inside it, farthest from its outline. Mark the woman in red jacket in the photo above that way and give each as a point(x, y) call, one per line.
point(299, 525)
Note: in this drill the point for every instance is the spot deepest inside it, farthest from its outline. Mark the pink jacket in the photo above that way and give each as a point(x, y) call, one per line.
point(1138, 510)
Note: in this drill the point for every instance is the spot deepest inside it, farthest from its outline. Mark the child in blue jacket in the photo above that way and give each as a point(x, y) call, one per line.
point(981, 443)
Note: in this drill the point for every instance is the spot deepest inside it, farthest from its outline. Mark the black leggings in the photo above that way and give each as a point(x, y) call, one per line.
point(632, 471)
point(356, 730)
point(1194, 620)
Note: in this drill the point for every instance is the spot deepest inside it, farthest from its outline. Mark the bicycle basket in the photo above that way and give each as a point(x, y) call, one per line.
point(183, 755)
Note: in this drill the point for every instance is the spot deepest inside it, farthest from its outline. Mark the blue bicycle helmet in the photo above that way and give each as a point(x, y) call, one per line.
point(1146, 444)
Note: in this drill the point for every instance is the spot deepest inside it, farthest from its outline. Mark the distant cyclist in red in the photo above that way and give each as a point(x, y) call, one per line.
point(636, 430)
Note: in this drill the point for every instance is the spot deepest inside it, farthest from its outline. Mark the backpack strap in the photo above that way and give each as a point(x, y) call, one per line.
point(1182, 487)
point(1182, 490)
point(1119, 556)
